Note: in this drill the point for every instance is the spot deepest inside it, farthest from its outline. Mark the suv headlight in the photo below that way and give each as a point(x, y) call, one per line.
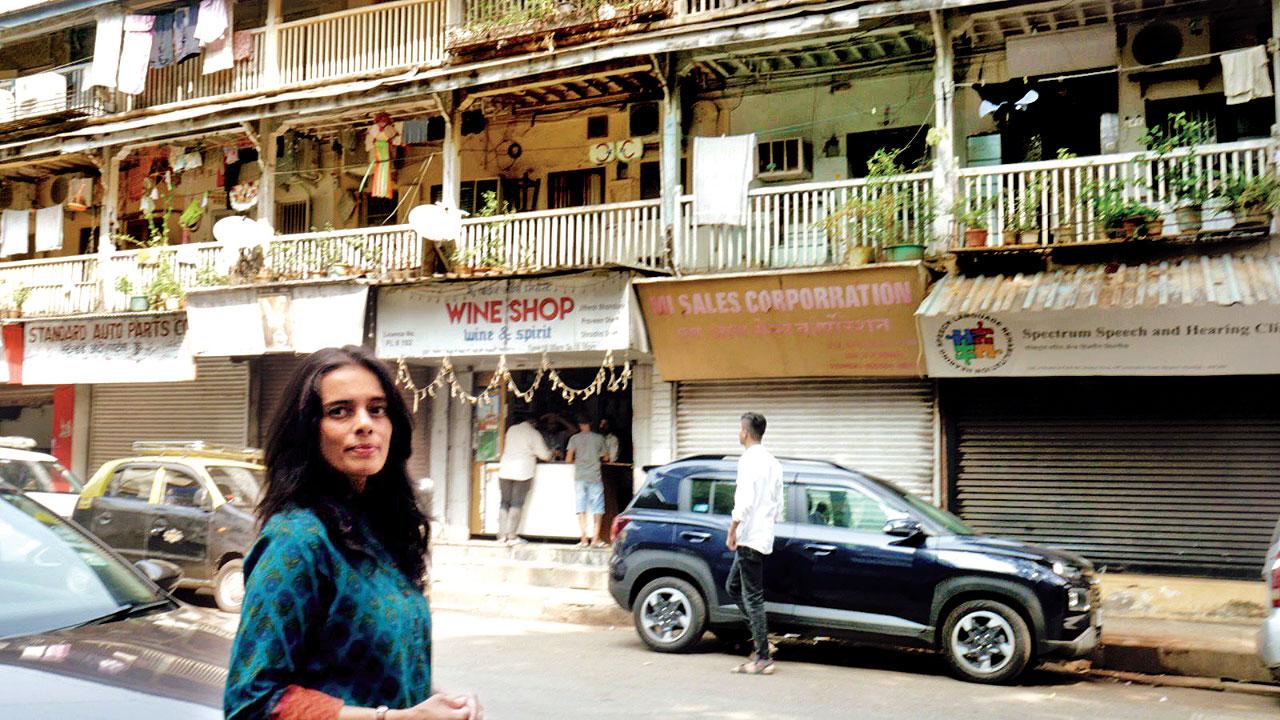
point(1070, 572)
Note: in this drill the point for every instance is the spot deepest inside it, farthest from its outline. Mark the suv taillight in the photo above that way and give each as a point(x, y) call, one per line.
point(1275, 583)
point(619, 522)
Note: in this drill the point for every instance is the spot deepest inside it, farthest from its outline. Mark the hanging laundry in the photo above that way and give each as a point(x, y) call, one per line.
point(415, 131)
point(15, 232)
point(286, 155)
point(381, 138)
point(230, 155)
point(194, 160)
point(135, 53)
point(723, 168)
point(40, 94)
point(242, 45)
point(243, 196)
point(148, 203)
point(106, 50)
point(80, 194)
point(213, 20)
point(49, 229)
point(162, 41)
point(190, 218)
point(218, 57)
point(8, 106)
point(185, 44)
point(1245, 75)
point(135, 181)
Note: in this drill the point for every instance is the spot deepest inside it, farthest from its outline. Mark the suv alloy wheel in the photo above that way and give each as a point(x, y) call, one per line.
point(670, 614)
point(986, 641)
point(228, 586)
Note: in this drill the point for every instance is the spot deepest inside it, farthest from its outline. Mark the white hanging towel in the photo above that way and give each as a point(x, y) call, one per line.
point(213, 20)
point(15, 231)
point(219, 53)
point(49, 228)
point(106, 50)
point(135, 57)
point(722, 171)
point(8, 106)
point(1245, 75)
point(40, 94)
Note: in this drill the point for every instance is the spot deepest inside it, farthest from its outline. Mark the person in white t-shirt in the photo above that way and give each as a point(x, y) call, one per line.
point(757, 507)
point(522, 448)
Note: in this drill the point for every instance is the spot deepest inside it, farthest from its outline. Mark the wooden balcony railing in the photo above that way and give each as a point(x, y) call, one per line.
point(617, 234)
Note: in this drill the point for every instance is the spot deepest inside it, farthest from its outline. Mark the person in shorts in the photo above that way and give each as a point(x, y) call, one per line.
point(587, 451)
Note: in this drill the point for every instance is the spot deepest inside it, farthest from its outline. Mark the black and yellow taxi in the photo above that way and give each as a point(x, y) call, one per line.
point(188, 503)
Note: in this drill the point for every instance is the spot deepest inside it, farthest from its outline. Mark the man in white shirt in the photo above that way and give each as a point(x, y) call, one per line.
point(757, 507)
point(522, 448)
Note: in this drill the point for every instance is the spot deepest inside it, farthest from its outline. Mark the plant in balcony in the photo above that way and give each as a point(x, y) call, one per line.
point(484, 252)
point(881, 210)
point(164, 292)
point(207, 275)
point(1022, 225)
point(1252, 200)
point(124, 286)
point(20, 296)
point(972, 215)
point(1172, 150)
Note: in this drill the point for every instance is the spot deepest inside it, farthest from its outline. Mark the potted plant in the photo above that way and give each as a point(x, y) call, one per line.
point(881, 210)
point(137, 303)
point(1022, 225)
point(164, 292)
point(20, 296)
point(1253, 200)
point(1172, 149)
point(972, 216)
point(484, 251)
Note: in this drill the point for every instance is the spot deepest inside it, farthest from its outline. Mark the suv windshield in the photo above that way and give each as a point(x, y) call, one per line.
point(936, 515)
point(240, 486)
point(52, 576)
point(39, 476)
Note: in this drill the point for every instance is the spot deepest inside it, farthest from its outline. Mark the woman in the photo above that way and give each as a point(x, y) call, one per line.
point(335, 625)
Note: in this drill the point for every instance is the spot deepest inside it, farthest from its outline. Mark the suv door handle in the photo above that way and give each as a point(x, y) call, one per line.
point(820, 550)
point(695, 537)
point(104, 518)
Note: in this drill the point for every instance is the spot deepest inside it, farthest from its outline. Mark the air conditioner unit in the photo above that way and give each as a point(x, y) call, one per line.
point(1162, 40)
point(785, 159)
point(53, 191)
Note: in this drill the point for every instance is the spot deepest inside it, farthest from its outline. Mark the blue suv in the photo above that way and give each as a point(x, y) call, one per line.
point(854, 557)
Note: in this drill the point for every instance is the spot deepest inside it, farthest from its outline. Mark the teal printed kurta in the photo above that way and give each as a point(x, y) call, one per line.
point(350, 625)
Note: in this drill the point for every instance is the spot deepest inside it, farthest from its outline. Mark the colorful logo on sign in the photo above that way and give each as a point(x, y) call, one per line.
point(974, 343)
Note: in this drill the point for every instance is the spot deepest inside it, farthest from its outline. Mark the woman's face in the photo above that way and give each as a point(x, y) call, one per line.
point(355, 431)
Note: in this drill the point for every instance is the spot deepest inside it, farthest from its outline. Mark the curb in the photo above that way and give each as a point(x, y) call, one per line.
point(1178, 681)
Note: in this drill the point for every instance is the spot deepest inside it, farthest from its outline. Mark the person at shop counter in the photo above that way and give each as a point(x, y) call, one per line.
point(522, 448)
point(586, 452)
point(611, 442)
point(556, 430)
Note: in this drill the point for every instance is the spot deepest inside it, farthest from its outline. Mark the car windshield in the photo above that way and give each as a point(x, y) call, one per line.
point(52, 576)
point(39, 476)
point(240, 486)
point(936, 515)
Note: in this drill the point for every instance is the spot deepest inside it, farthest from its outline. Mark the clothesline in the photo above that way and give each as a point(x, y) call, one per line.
point(1118, 68)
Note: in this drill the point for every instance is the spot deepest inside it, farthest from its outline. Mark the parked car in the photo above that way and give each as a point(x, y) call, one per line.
point(1269, 635)
point(85, 635)
point(855, 557)
point(39, 475)
point(187, 503)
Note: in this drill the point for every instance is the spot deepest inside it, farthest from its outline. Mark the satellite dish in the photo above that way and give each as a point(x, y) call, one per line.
point(437, 222)
point(241, 231)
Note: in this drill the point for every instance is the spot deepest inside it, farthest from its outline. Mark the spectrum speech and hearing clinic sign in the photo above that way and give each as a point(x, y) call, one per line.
point(829, 323)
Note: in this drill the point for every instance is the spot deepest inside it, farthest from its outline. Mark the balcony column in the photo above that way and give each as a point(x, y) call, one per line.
point(109, 166)
point(268, 132)
point(672, 139)
point(451, 153)
point(271, 45)
point(944, 104)
point(454, 13)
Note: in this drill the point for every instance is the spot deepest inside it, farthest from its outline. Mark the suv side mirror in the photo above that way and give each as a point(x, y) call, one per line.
point(903, 528)
point(161, 572)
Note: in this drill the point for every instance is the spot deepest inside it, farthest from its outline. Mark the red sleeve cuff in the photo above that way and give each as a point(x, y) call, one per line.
point(299, 703)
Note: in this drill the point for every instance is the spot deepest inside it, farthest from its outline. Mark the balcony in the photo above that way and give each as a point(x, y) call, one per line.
point(490, 24)
point(44, 98)
point(1081, 201)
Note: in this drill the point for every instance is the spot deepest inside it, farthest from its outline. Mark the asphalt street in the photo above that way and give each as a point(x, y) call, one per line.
point(528, 670)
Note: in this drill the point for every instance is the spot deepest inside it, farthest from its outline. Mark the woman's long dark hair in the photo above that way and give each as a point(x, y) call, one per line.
point(299, 476)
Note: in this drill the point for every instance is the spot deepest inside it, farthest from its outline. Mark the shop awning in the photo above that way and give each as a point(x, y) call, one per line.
point(300, 318)
point(1196, 316)
point(806, 323)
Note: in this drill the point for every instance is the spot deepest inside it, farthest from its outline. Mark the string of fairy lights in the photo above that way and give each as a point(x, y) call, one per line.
point(608, 377)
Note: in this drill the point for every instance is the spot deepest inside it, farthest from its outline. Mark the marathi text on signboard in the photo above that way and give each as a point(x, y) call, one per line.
point(1162, 340)
point(494, 317)
point(855, 323)
point(142, 348)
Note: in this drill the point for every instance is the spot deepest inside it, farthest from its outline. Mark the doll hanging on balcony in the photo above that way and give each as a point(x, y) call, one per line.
point(379, 141)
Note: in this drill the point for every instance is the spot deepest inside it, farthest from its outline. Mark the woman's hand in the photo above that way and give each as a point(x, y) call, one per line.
point(442, 707)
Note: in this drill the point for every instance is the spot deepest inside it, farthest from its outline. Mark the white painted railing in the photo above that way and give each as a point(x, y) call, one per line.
point(186, 81)
point(617, 234)
point(792, 225)
point(61, 286)
point(379, 37)
point(1058, 191)
point(377, 251)
point(140, 268)
point(75, 100)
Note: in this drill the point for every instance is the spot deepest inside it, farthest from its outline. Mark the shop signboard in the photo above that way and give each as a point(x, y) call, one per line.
point(832, 323)
point(117, 349)
point(1208, 339)
point(588, 312)
point(282, 319)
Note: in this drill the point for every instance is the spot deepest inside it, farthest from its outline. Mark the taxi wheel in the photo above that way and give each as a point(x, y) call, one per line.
point(228, 586)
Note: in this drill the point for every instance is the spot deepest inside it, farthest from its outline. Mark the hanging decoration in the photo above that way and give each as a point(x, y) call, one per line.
point(379, 141)
point(608, 377)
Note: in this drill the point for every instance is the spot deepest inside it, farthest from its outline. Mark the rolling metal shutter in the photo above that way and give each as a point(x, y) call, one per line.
point(1178, 476)
point(214, 407)
point(274, 373)
point(884, 428)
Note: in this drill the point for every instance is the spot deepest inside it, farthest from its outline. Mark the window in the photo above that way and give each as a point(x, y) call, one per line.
point(861, 146)
point(239, 486)
point(597, 127)
point(651, 497)
point(132, 482)
point(842, 508)
point(711, 497)
point(576, 188)
point(31, 476)
point(471, 197)
point(182, 489)
point(379, 211)
point(293, 217)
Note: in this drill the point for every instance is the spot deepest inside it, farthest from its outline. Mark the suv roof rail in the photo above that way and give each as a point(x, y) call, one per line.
point(781, 458)
point(197, 447)
point(17, 442)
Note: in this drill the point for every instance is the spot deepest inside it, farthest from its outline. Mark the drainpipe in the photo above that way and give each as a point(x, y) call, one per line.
point(671, 146)
point(944, 164)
